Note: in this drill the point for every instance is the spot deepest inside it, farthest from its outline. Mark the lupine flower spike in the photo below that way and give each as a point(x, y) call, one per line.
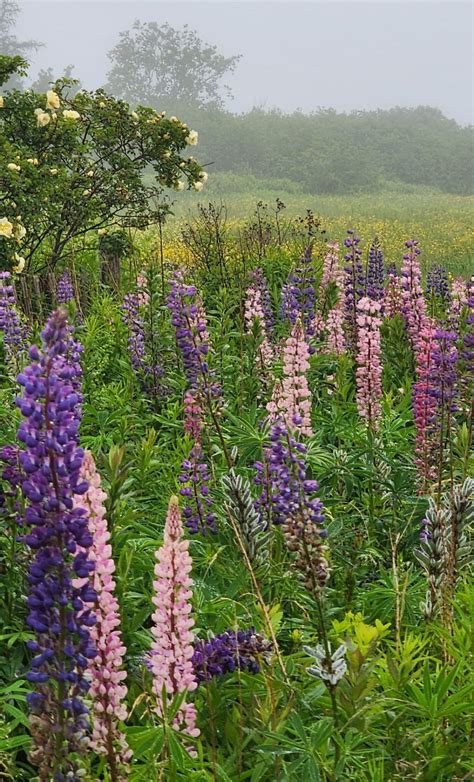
point(292, 400)
point(414, 305)
point(369, 367)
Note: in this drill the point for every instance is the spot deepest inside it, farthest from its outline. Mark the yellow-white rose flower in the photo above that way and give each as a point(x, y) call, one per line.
point(173, 119)
point(2, 102)
point(134, 115)
point(102, 104)
point(20, 232)
point(167, 155)
point(20, 264)
point(52, 100)
point(179, 185)
point(13, 167)
point(71, 114)
point(102, 231)
point(86, 192)
point(33, 160)
point(90, 173)
point(192, 138)
point(53, 171)
point(198, 186)
point(6, 228)
point(204, 176)
point(42, 118)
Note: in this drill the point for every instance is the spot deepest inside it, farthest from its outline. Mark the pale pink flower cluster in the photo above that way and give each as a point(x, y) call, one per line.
point(192, 417)
point(254, 312)
point(143, 295)
point(459, 300)
point(369, 367)
point(172, 649)
point(291, 399)
point(393, 299)
point(107, 690)
point(425, 405)
point(414, 305)
point(336, 341)
point(332, 270)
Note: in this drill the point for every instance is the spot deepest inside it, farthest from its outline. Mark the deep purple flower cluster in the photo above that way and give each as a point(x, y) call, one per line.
point(65, 290)
point(191, 333)
point(354, 285)
point(148, 375)
point(194, 477)
point(445, 357)
point(286, 491)
point(229, 651)
point(13, 332)
point(299, 295)
point(59, 613)
point(260, 283)
point(375, 272)
point(437, 283)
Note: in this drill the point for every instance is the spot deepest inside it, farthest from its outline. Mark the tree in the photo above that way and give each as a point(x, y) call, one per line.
point(162, 66)
point(70, 165)
point(9, 45)
point(45, 79)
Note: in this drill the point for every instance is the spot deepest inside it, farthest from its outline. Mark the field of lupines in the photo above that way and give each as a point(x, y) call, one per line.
point(236, 505)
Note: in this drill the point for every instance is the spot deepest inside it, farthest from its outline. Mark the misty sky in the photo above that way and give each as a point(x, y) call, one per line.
point(348, 55)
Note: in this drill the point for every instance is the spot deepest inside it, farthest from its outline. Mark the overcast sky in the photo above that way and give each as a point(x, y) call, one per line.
point(348, 55)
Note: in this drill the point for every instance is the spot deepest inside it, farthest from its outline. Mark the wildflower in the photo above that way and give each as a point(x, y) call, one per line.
point(134, 116)
point(425, 406)
point(204, 176)
point(172, 650)
point(105, 670)
point(414, 306)
point(375, 281)
point(233, 650)
point(2, 102)
point(299, 294)
point(10, 323)
point(179, 185)
point(194, 479)
point(336, 342)
point(20, 263)
point(53, 171)
point(33, 161)
point(393, 299)
point(369, 368)
point(354, 285)
point(64, 290)
point(71, 114)
point(42, 118)
point(198, 186)
point(59, 612)
point(52, 100)
point(254, 533)
point(192, 138)
point(292, 400)
point(330, 670)
point(254, 316)
point(332, 272)
point(6, 228)
point(13, 167)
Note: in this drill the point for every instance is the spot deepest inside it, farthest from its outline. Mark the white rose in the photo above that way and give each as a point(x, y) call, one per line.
point(204, 176)
point(13, 167)
point(20, 232)
point(179, 185)
point(173, 119)
point(2, 102)
point(192, 139)
point(52, 100)
point(198, 186)
point(71, 114)
point(6, 228)
point(102, 231)
point(42, 118)
point(134, 115)
point(102, 104)
point(90, 173)
point(20, 264)
point(53, 171)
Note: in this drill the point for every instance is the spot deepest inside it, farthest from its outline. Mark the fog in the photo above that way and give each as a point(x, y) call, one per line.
point(345, 55)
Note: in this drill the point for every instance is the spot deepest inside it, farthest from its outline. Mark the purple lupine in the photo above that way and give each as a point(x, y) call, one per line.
point(188, 320)
point(437, 283)
point(375, 279)
point(299, 295)
point(149, 373)
point(288, 498)
point(65, 290)
point(260, 283)
point(57, 532)
point(354, 285)
point(194, 479)
point(444, 372)
point(239, 650)
point(14, 335)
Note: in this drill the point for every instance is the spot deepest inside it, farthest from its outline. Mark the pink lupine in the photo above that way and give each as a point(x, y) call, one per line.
point(369, 367)
point(336, 341)
point(107, 690)
point(172, 649)
point(393, 299)
point(332, 270)
point(254, 313)
point(458, 301)
point(192, 417)
point(414, 305)
point(291, 399)
point(425, 405)
point(143, 297)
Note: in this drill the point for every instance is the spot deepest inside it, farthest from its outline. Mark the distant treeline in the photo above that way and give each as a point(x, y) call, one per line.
point(329, 152)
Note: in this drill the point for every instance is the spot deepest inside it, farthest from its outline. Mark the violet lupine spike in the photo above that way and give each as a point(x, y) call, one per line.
point(425, 405)
point(299, 295)
point(369, 367)
point(14, 335)
point(59, 613)
point(444, 373)
point(239, 650)
point(375, 272)
point(354, 285)
point(172, 651)
point(194, 479)
point(105, 671)
point(292, 397)
point(64, 290)
point(414, 305)
point(259, 282)
point(437, 283)
point(132, 316)
point(254, 314)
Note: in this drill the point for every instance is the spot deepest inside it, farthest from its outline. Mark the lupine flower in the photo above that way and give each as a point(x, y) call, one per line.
point(259, 282)
point(65, 290)
point(336, 341)
point(369, 367)
point(425, 405)
point(192, 417)
point(329, 668)
point(393, 298)
point(149, 373)
point(445, 356)
point(13, 332)
point(172, 650)
point(437, 283)
point(254, 315)
point(467, 351)
point(375, 281)
point(288, 498)
point(354, 285)
point(59, 612)
point(414, 305)
point(299, 295)
point(457, 301)
point(292, 399)
point(105, 670)
point(194, 479)
point(254, 530)
point(239, 650)
point(332, 271)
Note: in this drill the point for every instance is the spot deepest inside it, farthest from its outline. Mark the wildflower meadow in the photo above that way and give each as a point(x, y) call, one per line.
point(236, 486)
